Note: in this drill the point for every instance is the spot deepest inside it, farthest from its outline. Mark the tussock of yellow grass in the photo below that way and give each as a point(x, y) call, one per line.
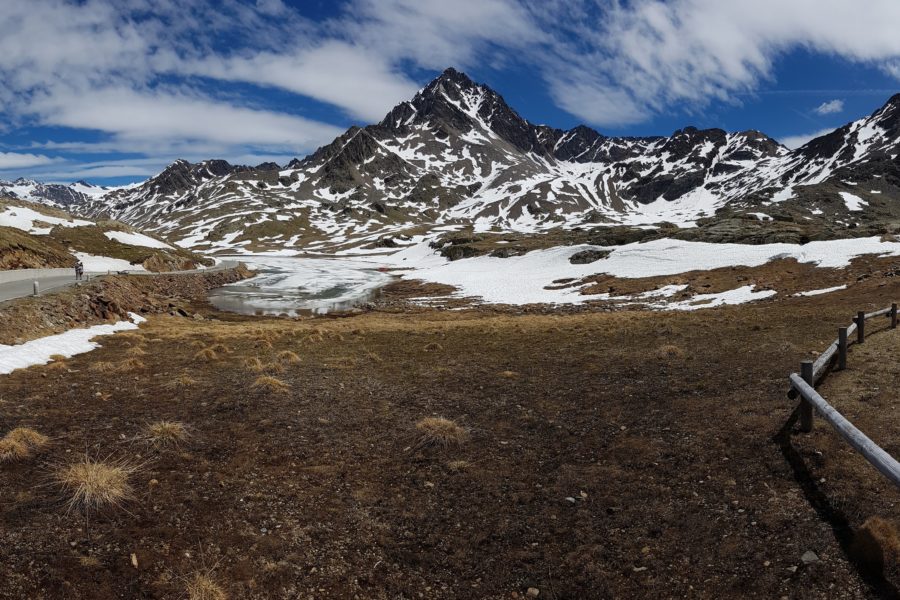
point(198, 344)
point(202, 587)
point(438, 431)
point(11, 450)
point(668, 352)
point(433, 347)
point(131, 337)
point(102, 366)
point(57, 357)
point(206, 354)
point(458, 465)
point(130, 364)
point(186, 380)
point(273, 367)
point(166, 434)
point(93, 485)
point(877, 544)
point(508, 374)
point(263, 344)
point(374, 357)
point(288, 357)
point(220, 348)
point(57, 366)
point(136, 351)
point(254, 364)
point(270, 384)
point(20, 443)
point(31, 438)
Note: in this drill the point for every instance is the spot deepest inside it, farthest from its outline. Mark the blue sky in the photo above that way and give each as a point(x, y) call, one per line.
point(112, 91)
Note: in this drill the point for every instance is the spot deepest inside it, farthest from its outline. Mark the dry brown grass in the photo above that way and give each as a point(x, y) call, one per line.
point(94, 485)
point(131, 337)
point(57, 357)
point(433, 347)
point(438, 431)
point(669, 352)
point(202, 587)
point(206, 354)
point(136, 351)
point(29, 437)
point(287, 357)
point(254, 364)
point(130, 364)
point(19, 444)
point(103, 366)
point(12, 450)
point(166, 434)
point(220, 348)
point(270, 384)
point(57, 366)
point(877, 544)
point(508, 374)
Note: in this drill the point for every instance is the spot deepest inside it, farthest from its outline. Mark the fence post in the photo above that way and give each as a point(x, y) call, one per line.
point(806, 409)
point(842, 348)
point(860, 327)
point(894, 315)
point(36, 287)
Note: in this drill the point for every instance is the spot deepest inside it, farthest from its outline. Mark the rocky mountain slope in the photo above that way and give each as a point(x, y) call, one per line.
point(458, 156)
point(43, 237)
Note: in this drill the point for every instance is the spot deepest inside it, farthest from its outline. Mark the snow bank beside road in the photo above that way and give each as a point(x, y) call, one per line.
point(69, 343)
point(105, 263)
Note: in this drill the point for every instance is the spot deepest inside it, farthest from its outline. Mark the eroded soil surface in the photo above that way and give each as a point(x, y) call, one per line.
point(610, 454)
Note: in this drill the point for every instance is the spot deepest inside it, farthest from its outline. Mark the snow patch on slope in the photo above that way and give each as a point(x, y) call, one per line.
point(135, 239)
point(69, 343)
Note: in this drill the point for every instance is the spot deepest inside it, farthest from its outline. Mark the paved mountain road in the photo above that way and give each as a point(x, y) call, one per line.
point(53, 279)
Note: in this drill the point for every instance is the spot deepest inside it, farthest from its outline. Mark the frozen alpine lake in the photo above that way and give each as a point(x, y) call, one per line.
point(295, 286)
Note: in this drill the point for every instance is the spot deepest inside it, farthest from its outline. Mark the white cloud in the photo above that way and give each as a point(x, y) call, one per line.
point(829, 108)
point(795, 141)
point(15, 160)
point(334, 72)
point(659, 54)
point(164, 116)
point(157, 76)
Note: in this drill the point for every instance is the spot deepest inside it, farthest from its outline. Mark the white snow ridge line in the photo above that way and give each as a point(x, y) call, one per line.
point(69, 343)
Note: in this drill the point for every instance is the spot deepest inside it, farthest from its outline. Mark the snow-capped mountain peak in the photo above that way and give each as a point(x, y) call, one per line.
point(456, 154)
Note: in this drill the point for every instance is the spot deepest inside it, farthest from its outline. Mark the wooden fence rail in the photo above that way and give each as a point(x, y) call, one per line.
point(813, 372)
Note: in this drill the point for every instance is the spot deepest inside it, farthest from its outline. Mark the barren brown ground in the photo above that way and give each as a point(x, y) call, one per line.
point(599, 462)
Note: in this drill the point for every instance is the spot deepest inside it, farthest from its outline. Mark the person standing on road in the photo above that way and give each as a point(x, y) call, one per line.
point(79, 270)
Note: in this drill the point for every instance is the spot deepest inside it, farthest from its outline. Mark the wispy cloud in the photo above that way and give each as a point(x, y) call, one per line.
point(795, 141)
point(167, 79)
point(16, 160)
point(829, 108)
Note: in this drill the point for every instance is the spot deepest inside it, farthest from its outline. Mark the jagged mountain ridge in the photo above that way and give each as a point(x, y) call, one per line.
point(457, 154)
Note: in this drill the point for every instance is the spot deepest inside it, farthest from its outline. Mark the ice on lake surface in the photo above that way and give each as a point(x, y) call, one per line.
point(300, 286)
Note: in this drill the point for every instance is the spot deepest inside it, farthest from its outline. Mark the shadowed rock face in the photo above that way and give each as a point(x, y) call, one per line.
point(457, 153)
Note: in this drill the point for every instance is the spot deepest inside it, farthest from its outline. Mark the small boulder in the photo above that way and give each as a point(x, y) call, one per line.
point(809, 557)
point(584, 257)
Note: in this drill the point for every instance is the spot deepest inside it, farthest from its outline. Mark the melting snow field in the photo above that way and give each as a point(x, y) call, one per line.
point(135, 239)
point(69, 343)
point(523, 279)
point(24, 219)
